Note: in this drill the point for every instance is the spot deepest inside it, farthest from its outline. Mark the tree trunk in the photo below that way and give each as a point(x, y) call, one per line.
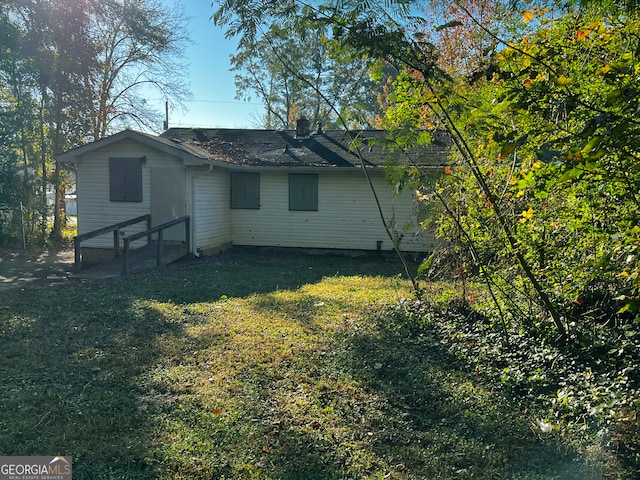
point(43, 168)
point(58, 208)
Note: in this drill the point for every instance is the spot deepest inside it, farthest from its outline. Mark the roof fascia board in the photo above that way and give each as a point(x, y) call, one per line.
point(310, 169)
point(290, 169)
point(188, 159)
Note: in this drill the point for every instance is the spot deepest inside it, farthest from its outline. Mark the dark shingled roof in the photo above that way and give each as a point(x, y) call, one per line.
point(330, 148)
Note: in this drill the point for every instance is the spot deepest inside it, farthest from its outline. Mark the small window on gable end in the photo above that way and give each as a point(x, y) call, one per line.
point(245, 190)
point(125, 179)
point(303, 192)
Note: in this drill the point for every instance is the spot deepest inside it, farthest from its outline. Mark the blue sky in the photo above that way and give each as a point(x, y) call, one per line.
point(212, 85)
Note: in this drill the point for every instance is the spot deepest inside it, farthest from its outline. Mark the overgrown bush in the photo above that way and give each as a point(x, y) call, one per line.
point(586, 389)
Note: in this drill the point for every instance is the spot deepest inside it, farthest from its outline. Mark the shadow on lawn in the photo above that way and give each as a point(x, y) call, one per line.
point(67, 377)
point(408, 411)
point(243, 271)
point(443, 421)
point(72, 354)
point(375, 400)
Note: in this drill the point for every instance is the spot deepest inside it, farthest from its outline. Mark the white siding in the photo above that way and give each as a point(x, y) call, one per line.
point(95, 210)
point(212, 216)
point(347, 216)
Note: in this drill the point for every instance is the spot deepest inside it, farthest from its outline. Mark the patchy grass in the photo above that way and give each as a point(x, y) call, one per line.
point(254, 366)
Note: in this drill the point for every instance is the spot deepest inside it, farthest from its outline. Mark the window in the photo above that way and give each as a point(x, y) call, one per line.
point(245, 190)
point(303, 191)
point(125, 179)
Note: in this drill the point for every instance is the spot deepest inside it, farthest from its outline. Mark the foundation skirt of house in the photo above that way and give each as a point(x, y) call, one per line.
point(206, 251)
point(94, 256)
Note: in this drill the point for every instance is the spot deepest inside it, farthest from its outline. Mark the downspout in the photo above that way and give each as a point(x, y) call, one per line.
point(194, 177)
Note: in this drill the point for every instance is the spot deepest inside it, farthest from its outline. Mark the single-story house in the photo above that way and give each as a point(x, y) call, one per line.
point(249, 187)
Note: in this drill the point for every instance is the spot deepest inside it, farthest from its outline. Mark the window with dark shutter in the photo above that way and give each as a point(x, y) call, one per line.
point(245, 190)
point(125, 179)
point(303, 191)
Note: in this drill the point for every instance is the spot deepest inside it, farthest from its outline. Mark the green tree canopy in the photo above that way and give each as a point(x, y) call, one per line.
point(297, 70)
point(70, 71)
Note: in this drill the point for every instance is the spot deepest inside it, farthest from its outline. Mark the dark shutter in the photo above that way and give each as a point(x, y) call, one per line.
point(303, 191)
point(245, 190)
point(125, 179)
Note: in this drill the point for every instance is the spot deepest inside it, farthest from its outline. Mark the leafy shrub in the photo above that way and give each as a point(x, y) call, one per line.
point(586, 388)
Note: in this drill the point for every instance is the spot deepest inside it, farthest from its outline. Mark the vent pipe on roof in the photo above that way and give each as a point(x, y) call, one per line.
point(166, 116)
point(302, 128)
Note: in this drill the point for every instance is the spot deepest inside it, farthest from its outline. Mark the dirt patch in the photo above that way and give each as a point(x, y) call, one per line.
point(20, 268)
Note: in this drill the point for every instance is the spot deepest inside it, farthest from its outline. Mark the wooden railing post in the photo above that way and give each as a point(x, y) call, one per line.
point(76, 255)
point(187, 233)
point(159, 252)
point(125, 257)
point(116, 242)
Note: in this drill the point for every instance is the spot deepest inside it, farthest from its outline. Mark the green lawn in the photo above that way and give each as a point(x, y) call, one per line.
point(254, 365)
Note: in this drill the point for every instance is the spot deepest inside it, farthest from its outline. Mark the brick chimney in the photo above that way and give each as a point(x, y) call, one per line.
point(303, 128)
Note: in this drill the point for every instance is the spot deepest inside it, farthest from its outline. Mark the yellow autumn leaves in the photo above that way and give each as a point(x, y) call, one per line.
point(527, 215)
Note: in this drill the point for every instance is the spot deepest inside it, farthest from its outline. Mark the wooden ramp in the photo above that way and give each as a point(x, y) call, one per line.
point(127, 259)
point(138, 259)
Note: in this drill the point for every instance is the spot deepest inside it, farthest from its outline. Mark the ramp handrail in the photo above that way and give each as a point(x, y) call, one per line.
point(159, 229)
point(115, 228)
